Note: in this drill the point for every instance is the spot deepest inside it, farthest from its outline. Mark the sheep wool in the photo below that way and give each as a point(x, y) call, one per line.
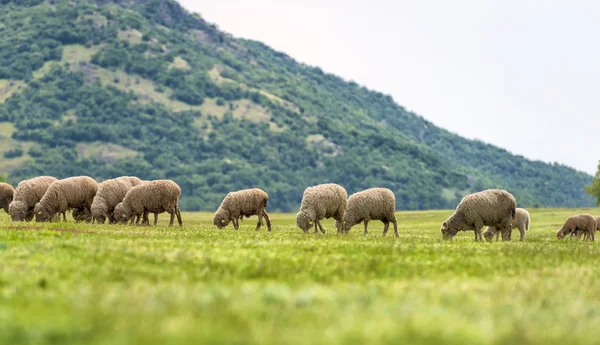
point(371, 204)
point(584, 222)
point(491, 207)
point(243, 203)
point(153, 197)
point(28, 193)
point(110, 193)
point(62, 195)
point(319, 202)
point(578, 233)
point(6, 195)
point(520, 220)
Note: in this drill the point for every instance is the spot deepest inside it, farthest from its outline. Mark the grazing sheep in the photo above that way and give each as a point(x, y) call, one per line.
point(491, 207)
point(520, 220)
point(6, 195)
point(243, 203)
point(70, 193)
point(28, 193)
point(110, 193)
point(154, 197)
point(578, 233)
point(322, 201)
point(371, 204)
point(584, 222)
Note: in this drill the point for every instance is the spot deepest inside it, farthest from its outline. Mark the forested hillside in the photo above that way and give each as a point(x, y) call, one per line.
point(141, 87)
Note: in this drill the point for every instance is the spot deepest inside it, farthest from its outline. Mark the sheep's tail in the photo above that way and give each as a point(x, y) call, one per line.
point(266, 203)
point(527, 224)
point(514, 211)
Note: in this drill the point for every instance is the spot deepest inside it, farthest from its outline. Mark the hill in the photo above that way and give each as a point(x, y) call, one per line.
point(142, 87)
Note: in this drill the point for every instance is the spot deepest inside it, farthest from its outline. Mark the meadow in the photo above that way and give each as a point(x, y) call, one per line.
point(73, 283)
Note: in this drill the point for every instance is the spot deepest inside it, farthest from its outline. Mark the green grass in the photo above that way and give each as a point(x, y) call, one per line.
point(69, 283)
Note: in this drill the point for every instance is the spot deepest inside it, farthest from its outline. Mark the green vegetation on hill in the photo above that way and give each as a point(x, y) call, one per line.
point(141, 87)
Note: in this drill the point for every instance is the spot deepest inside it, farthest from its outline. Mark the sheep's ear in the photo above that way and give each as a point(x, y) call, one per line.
point(445, 224)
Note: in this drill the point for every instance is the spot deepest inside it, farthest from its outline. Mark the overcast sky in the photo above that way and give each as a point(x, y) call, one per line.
point(522, 75)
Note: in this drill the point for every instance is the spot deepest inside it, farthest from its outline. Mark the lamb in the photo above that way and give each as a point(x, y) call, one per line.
point(6, 195)
point(28, 193)
point(578, 233)
point(521, 221)
point(491, 207)
point(584, 222)
point(243, 203)
point(322, 201)
point(371, 204)
point(156, 197)
point(70, 193)
point(110, 193)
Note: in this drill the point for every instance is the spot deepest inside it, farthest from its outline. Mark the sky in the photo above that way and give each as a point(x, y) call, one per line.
point(520, 74)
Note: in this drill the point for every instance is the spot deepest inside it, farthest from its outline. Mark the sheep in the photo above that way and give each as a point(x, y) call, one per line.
point(521, 221)
point(110, 193)
point(371, 204)
point(243, 203)
point(322, 201)
point(6, 196)
point(491, 207)
point(578, 233)
point(28, 193)
point(156, 197)
point(70, 193)
point(584, 222)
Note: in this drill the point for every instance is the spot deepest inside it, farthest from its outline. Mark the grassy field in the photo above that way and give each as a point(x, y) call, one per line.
point(69, 283)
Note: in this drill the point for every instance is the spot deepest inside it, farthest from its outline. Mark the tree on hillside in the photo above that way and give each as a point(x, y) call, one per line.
point(594, 189)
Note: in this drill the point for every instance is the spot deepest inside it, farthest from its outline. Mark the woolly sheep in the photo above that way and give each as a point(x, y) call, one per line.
point(322, 201)
point(491, 207)
point(243, 203)
point(110, 193)
point(584, 222)
point(70, 193)
point(578, 233)
point(371, 204)
point(520, 220)
point(154, 197)
point(28, 193)
point(6, 195)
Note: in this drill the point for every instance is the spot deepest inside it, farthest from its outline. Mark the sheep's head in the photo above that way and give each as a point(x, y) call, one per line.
point(17, 211)
point(304, 222)
point(346, 226)
point(488, 235)
point(99, 216)
point(122, 214)
point(221, 220)
point(448, 232)
point(564, 231)
point(41, 213)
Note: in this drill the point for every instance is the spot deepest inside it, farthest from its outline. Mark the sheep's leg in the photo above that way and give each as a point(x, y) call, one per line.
point(366, 225)
point(386, 226)
point(395, 222)
point(316, 231)
point(267, 219)
point(236, 225)
point(259, 223)
point(172, 218)
point(64, 214)
point(320, 226)
point(478, 236)
point(522, 231)
point(155, 219)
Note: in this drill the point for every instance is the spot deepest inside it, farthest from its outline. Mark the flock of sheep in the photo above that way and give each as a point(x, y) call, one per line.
point(118, 200)
point(128, 198)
